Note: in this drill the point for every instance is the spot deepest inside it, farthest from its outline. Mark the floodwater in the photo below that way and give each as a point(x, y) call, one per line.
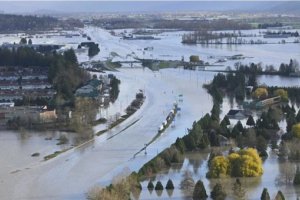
point(109, 154)
point(72, 174)
point(169, 47)
point(274, 177)
point(279, 81)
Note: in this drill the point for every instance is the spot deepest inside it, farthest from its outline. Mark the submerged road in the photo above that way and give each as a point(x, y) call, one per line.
point(73, 173)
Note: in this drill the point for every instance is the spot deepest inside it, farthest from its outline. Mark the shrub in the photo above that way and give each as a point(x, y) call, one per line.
point(150, 185)
point(170, 185)
point(297, 177)
point(244, 163)
point(219, 167)
point(296, 130)
point(194, 58)
point(282, 93)
point(260, 93)
point(265, 195)
point(159, 186)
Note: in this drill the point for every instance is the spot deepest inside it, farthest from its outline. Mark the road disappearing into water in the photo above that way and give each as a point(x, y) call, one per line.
point(71, 174)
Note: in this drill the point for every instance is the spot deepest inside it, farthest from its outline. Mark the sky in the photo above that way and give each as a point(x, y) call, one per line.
point(135, 6)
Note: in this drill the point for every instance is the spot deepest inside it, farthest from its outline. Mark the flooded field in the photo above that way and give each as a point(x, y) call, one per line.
point(169, 47)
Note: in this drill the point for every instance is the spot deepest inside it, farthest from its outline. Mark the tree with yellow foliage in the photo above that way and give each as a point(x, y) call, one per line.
point(244, 163)
point(194, 58)
point(260, 93)
point(219, 167)
point(296, 130)
point(282, 93)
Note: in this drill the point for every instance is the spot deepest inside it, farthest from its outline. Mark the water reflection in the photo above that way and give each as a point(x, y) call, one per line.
point(159, 192)
point(277, 175)
point(170, 193)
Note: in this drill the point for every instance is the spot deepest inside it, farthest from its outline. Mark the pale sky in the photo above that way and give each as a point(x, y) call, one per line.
point(132, 6)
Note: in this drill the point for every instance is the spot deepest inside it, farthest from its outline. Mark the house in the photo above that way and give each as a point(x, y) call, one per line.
point(9, 85)
point(7, 104)
point(87, 91)
point(96, 84)
point(91, 90)
point(236, 114)
point(48, 115)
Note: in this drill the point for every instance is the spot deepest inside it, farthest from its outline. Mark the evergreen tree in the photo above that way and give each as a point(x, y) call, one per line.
point(199, 191)
point(235, 132)
point(252, 81)
point(261, 146)
point(218, 192)
point(150, 185)
point(180, 145)
point(298, 116)
point(297, 177)
point(71, 56)
point(239, 126)
point(93, 49)
point(23, 41)
point(225, 121)
point(159, 186)
point(215, 112)
point(265, 195)
point(170, 185)
point(283, 151)
point(214, 138)
point(250, 121)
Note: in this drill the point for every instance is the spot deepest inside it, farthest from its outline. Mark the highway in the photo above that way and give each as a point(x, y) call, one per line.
point(72, 174)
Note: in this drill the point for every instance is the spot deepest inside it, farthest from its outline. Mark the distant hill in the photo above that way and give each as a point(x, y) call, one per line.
point(287, 7)
point(148, 6)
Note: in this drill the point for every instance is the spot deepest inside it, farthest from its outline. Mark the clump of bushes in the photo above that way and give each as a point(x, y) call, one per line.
point(244, 163)
point(161, 161)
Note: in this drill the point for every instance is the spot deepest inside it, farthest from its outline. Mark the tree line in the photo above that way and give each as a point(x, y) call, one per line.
point(13, 23)
point(285, 69)
point(161, 23)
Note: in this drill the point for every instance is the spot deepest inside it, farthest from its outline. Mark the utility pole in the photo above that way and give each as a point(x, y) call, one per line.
point(145, 149)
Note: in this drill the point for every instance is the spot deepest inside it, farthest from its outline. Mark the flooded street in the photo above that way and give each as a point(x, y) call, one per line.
point(100, 160)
